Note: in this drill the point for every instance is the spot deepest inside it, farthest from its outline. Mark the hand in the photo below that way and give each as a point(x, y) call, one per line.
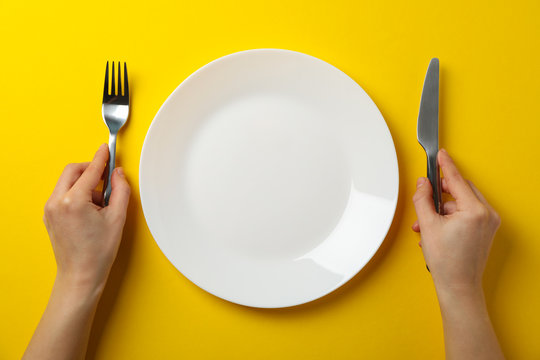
point(84, 235)
point(455, 245)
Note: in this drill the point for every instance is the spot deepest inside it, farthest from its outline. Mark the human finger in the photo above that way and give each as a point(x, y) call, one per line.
point(444, 186)
point(423, 202)
point(120, 192)
point(92, 175)
point(450, 207)
point(455, 183)
point(478, 193)
point(416, 226)
point(69, 176)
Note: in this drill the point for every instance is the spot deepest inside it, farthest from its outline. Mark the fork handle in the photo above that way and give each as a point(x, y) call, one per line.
point(109, 169)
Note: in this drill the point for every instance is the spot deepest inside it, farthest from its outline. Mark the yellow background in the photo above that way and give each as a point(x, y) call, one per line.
point(52, 62)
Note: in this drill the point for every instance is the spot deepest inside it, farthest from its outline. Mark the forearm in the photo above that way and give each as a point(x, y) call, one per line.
point(468, 333)
point(65, 325)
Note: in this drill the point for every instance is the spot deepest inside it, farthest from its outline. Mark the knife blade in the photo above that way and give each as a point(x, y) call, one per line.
point(428, 129)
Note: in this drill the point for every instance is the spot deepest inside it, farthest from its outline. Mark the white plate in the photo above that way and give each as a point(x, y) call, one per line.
point(269, 178)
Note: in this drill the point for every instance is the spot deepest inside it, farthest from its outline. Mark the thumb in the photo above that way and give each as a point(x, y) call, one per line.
point(423, 203)
point(119, 194)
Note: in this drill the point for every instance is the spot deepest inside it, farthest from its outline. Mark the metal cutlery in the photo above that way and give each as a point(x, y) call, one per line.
point(115, 111)
point(428, 129)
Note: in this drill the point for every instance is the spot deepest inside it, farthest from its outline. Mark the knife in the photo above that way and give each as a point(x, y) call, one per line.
point(428, 129)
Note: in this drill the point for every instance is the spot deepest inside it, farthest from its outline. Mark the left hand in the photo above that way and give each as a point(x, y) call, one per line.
point(84, 235)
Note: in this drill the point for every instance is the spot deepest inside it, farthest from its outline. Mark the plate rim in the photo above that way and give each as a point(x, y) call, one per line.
point(394, 153)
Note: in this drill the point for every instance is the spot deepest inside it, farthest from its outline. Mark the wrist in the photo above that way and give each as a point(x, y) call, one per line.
point(83, 286)
point(460, 293)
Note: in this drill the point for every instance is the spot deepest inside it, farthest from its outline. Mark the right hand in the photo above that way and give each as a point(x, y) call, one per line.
point(456, 245)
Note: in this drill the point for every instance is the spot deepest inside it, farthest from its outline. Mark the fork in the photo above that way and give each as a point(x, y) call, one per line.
point(115, 111)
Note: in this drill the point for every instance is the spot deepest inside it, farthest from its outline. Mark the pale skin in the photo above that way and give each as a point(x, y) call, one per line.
point(456, 246)
point(85, 238)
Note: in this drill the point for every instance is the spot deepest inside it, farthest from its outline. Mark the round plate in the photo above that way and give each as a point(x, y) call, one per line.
point(269, 178)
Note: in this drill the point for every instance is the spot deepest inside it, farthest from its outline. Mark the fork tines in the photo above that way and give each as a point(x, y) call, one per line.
point(114, 91)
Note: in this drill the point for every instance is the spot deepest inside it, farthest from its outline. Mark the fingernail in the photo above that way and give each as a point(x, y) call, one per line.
point(100, 147)
point(443, 150)
point(421, 181)
point(120, 172)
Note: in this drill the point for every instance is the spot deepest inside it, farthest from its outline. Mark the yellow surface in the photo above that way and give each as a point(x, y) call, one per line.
point(52, 62)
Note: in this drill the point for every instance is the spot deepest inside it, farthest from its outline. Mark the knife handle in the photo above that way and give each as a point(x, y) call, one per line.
point(434, 176)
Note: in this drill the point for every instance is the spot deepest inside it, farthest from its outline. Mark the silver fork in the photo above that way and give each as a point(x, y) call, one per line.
point(115, 112)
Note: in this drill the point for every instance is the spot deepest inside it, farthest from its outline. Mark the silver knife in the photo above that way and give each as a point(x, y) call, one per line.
point(428, 129)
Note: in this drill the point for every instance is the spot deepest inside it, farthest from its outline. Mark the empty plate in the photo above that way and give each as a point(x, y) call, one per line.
point(269, 178)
